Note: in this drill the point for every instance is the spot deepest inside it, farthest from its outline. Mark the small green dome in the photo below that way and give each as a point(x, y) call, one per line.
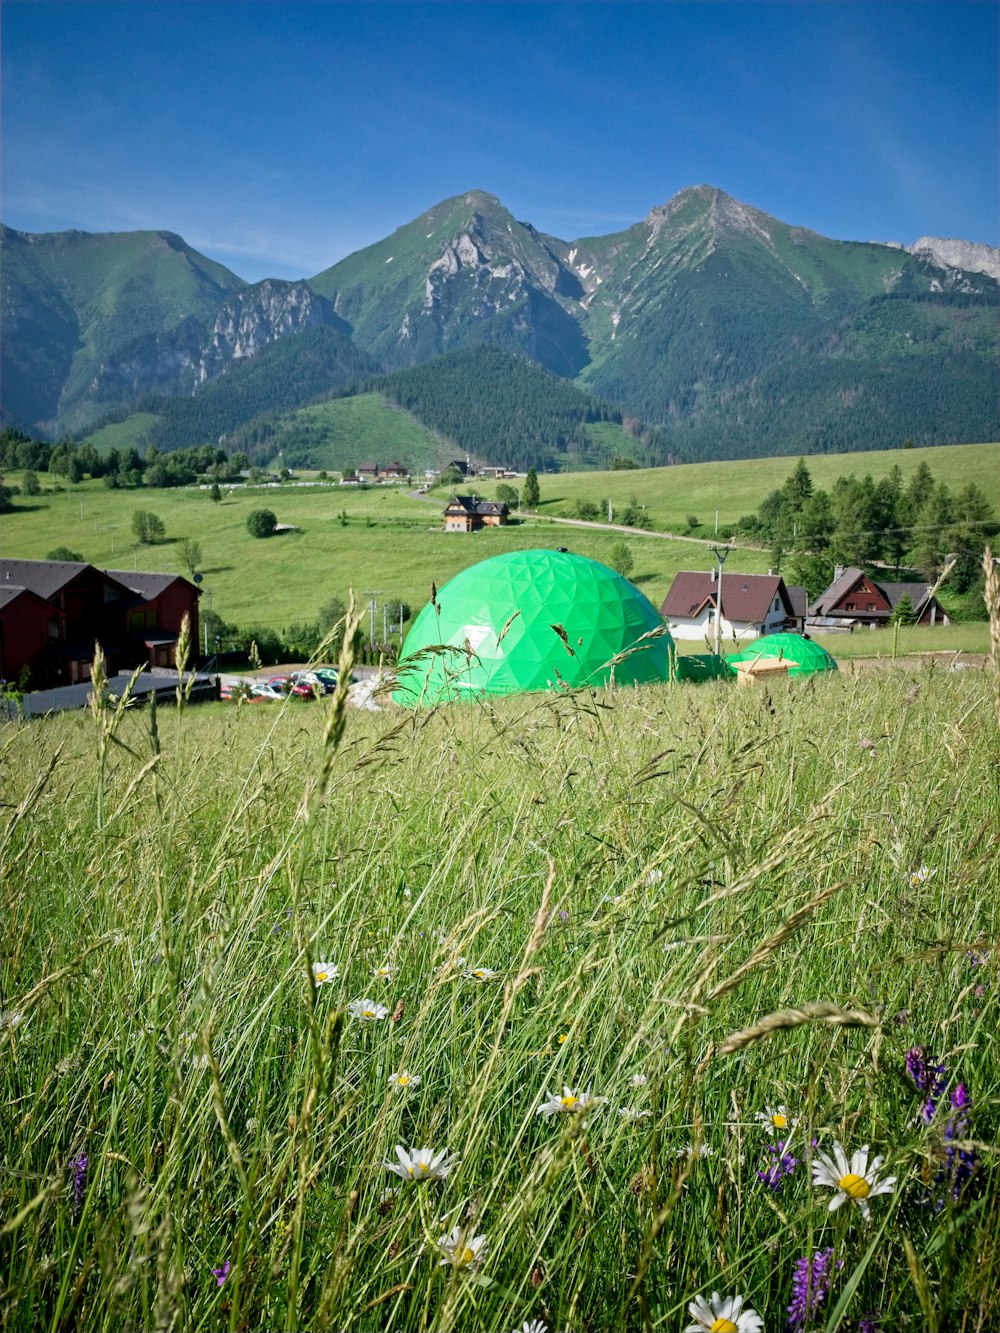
point(530, 620)
point(808, 657)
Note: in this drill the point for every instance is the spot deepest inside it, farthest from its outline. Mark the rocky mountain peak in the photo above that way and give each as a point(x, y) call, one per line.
point(968, 255)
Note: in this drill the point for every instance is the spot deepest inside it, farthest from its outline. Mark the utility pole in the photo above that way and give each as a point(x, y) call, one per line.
point(611, 512)
point(371, 594)
point(720, 553)
point(716, 523)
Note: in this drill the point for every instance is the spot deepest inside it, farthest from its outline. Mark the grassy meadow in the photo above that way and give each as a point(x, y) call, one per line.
point(249, 956)
point(735, 488)
point(382, 539)
point(390, 542)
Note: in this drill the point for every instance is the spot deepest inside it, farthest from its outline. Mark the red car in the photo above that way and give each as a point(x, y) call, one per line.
point(289, 685)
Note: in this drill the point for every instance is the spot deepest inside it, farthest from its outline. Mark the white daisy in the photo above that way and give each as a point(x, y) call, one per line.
point(532, 1326)
point(570, 1103)
point(638, 1080)
point(776, 1120)
point(631, 1114)
point(324, 972)
point(921, 876)
point(461, 1250)
point(856, 1179)
point(723, 1315)
point(421, 1163)
point(383, 973)
point(479, 973)
point(367, 1010)
point(404, 1080)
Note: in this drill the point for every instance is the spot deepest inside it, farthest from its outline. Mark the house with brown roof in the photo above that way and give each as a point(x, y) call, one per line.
point(467, 513)
point(859, 599)
point(394, 472)
point(749, 605)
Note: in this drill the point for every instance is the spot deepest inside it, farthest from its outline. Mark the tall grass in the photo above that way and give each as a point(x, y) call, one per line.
point(692, 903)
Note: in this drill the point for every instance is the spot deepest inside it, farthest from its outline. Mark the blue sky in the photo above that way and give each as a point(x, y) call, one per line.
point(278, 137)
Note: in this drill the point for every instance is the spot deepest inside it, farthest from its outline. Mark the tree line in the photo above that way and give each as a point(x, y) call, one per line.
point(916, 524)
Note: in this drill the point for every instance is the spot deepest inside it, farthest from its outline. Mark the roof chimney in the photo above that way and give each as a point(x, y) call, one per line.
point(838, 573)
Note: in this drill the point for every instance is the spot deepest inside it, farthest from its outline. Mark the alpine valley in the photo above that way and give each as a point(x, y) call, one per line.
point(707, 330)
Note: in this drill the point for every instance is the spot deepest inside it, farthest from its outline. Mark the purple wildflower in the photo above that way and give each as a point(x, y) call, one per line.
point(220, 1274)
point(928, 1078)
point(78, 1165)
point(960, 1165)
point(810, 1287)
point(870, 1323)
point(777, 1165)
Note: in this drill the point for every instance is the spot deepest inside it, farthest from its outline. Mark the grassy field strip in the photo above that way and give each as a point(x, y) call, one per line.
point(627, 964)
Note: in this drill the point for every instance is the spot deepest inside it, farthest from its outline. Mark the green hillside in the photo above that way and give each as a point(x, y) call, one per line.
point(344, 432)
point(502, 409)
point(70, 299)
point(132, 432)
point(671, 494)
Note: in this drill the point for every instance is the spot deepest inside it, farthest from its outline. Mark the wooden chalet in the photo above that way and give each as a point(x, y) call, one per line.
point(466, 513)
point(53, 611)
point(857, 598)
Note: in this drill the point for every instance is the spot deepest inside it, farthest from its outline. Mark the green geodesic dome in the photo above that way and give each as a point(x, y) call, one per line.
point(809, 657)
point(495, 629)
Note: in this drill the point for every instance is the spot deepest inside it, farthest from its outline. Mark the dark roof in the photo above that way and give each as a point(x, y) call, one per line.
point(799, 599)
point(147, 585)
point(44, 577)
point(892, 592)
point(10, 592)
point(745, 597)
point(471, 505)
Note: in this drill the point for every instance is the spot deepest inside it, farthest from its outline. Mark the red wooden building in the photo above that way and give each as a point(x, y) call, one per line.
point(53, 611)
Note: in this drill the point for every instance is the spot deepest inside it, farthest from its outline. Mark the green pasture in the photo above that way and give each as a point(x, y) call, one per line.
point(391, 543)
point(128, 433)
point(693, 906)
point(671, 494)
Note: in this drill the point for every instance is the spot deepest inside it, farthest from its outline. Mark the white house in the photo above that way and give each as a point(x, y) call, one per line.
point(750, 605)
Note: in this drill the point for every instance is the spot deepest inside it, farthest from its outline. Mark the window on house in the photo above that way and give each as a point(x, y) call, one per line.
point(849, 606)
point(871, 607)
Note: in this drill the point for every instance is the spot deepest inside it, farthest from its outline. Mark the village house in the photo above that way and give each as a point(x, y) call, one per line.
point(394, 472)
point(53, 611)
point(368, 471)
point(467, 513)
point(750, 605)
point(855, 598)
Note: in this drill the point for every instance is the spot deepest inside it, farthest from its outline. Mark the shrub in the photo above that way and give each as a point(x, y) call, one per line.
point(64, 553)
point(261, 523)
point(147, 526)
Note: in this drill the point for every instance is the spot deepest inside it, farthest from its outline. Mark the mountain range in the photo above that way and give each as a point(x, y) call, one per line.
point(708, 329)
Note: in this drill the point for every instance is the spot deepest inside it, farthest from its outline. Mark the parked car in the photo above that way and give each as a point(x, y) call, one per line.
point(290, 685)
point(315, 681)
point(263, 689)
point(243, 688)
point(329, 675)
